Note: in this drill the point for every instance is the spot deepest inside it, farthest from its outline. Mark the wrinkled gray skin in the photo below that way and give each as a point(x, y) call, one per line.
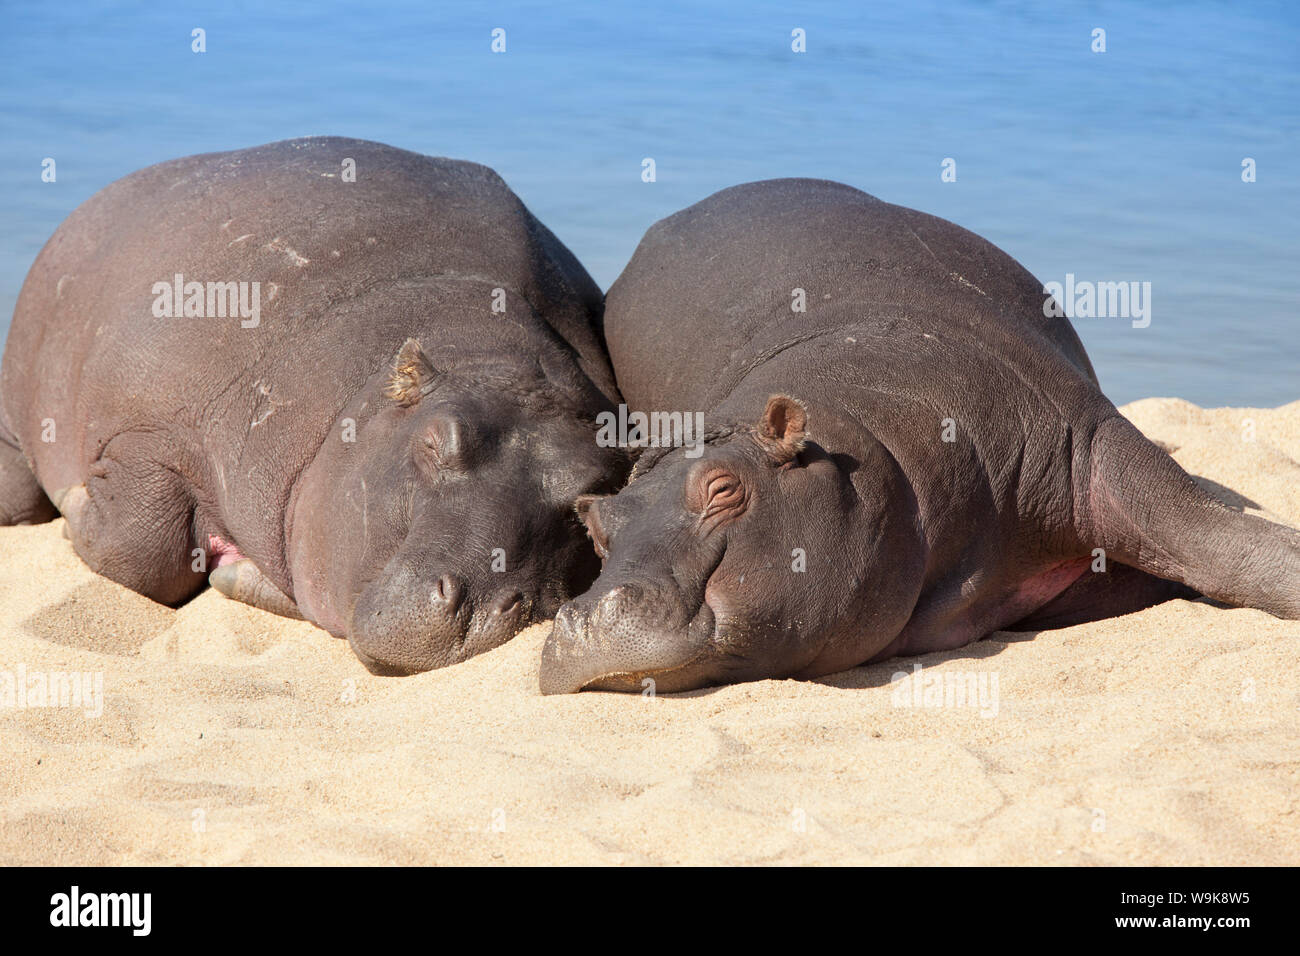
point(828, 441)
point(473, 430)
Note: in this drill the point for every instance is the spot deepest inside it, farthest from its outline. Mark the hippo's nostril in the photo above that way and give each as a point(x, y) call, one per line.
point(448, 594)
point(507, 602)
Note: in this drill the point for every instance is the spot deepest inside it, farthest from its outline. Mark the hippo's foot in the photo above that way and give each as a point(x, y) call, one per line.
point(132, 521)
point(21, 499)
point(1145, 511)
point(243, 581)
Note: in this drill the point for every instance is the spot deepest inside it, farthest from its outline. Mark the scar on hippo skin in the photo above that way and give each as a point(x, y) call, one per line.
point(912, 545)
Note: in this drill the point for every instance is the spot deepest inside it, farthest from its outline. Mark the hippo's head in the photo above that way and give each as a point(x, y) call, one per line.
point(447, 525)
point(758, 558)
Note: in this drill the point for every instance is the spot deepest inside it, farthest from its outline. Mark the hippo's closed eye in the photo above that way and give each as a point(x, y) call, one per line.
point(716, 494)
point(446, 442)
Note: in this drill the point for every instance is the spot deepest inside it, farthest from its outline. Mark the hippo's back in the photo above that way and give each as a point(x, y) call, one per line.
point(719, 279)
point(325, 251)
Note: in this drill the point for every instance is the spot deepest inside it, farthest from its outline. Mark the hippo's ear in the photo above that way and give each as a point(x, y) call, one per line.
point(582, 505)
point(590, 517)
point(782, 430)
point(412, 376)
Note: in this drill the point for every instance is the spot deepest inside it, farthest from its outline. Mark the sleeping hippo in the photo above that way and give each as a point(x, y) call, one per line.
point(349, 382)
point(904, 451)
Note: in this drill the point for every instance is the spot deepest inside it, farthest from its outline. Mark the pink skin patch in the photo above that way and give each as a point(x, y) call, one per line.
point(1038, 590)
point(963, 629)
point(222, 552)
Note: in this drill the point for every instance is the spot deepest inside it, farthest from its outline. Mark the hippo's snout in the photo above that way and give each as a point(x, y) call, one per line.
point(618, 640)
point(403, 628)
point(565, 668)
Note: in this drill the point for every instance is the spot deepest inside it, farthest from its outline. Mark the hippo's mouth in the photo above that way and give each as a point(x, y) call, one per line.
point(577, 658)
point(468, 635)
point(377, 667)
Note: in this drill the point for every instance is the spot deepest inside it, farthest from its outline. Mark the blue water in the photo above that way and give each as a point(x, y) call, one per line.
point(1123, 165)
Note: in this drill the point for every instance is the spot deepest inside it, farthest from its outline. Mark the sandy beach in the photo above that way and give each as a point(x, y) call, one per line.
point(225, 735)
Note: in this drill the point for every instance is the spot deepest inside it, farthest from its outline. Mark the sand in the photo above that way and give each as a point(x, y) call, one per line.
point(230, 736)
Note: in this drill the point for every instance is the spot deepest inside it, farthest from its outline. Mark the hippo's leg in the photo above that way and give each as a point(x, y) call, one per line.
point(132, 521)
point(1145, 511)
point(1095, 595)
point(21, 499)
point(243, 581)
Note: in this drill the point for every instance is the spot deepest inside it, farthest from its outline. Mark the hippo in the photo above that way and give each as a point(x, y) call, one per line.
point(905, 450)
point(336, 379)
